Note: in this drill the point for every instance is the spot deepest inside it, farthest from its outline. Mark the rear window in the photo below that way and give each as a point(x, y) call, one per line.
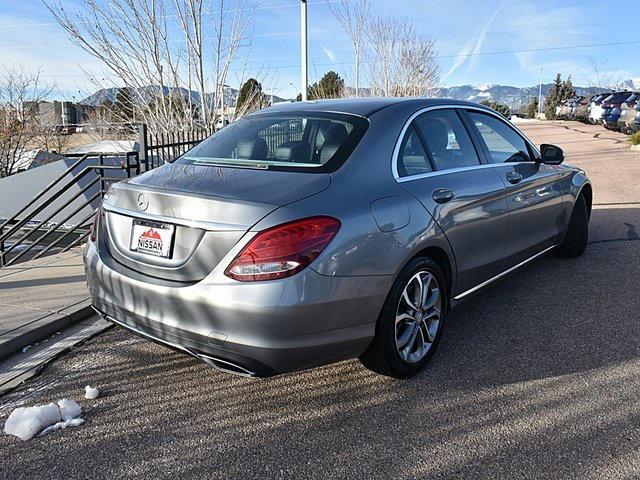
point(309, 142)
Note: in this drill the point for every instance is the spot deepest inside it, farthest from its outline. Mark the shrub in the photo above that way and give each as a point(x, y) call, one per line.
point(635, 139)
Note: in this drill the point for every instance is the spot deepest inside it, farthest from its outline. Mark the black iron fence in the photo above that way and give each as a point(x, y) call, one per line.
point(159, 148)
point(59, 217)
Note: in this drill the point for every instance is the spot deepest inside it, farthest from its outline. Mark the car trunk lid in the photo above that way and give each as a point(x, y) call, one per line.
point(202, 211)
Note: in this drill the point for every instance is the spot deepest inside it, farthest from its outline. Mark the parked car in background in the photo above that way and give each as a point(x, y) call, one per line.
point(595, 112)
point(307, 233)
point(628, 113)
point(634, 126)
point(611, 109)
point(565, 110)
point(581, 110)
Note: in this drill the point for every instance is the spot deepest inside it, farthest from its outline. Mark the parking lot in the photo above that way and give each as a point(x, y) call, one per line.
point(536, 377)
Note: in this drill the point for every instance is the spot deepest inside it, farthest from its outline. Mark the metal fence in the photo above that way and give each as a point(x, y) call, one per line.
point(59, 217)
point(160, 148)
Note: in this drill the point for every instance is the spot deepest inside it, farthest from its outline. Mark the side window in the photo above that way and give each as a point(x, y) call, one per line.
point(504, 143)
point(447, 140)
point(412, 159)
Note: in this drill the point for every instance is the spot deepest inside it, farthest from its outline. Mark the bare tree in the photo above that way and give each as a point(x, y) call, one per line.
point(602, 78)
point(401, 61)
point(20, 96)
point(353, 16)
point(136, 41)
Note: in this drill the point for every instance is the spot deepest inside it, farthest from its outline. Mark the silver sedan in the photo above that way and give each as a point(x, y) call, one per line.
point(312, 232)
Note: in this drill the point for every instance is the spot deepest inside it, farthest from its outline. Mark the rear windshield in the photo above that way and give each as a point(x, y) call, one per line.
point(309, 142)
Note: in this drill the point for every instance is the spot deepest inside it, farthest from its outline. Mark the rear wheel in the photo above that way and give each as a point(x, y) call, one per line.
point(575, 241)
point(411, 321)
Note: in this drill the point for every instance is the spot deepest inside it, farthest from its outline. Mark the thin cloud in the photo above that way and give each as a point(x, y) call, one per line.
point(460, 58)
point(472, 47)
point(330, 55)
point(482, 36)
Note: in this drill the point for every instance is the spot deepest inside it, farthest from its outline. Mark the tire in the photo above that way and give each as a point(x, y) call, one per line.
point(383, 355)
point(575, 240)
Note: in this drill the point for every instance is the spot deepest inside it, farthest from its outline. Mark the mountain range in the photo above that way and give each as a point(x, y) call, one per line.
point(514, 97)
point(151, 91)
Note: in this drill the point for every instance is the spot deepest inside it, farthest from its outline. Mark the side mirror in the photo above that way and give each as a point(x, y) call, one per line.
point(551, 154)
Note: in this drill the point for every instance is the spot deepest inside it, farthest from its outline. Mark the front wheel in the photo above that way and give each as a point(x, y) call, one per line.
point(575, 240)
point(411, 321)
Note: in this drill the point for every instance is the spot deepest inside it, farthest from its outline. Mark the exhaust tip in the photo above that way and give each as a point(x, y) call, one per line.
point(225, 365)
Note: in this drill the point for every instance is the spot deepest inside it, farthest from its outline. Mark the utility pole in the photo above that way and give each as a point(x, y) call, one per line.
point(540, 96)
point(304, 81)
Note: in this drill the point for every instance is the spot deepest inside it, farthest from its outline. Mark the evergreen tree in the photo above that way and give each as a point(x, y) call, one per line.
point(122, 106)
point(331, 85)
point(501, 108)
point(568, 91)
point(532, 108)
point(553, 98)
point(250, 95)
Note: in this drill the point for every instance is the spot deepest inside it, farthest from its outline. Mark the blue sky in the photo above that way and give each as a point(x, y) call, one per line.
point(529, 34)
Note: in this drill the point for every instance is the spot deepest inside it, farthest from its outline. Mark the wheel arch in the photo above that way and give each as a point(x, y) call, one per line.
point(441, 257)
point(587, 192)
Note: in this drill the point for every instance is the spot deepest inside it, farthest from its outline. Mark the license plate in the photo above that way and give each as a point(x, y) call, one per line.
point(152, 238)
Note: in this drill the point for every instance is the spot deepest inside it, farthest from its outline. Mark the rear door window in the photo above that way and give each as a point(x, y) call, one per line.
point(412, 158)
point(503, 143)
point(447, 140)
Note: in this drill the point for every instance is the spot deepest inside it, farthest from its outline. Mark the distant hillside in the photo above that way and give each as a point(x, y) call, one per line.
point(148, 92)
point(514, 97)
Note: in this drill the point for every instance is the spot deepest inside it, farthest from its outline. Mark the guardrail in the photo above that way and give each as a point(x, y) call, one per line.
point(49, 222)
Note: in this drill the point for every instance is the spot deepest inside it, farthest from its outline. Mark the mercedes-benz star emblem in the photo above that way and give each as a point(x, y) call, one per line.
point(143, 202)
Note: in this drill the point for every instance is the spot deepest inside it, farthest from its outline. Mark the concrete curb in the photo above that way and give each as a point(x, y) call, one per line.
point(46, 326)
point(19, 367)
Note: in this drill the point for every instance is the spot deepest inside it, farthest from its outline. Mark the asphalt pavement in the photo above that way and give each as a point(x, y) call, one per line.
point(538, 376)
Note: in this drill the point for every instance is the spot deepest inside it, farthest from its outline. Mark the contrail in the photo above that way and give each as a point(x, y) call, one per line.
point(470, 49)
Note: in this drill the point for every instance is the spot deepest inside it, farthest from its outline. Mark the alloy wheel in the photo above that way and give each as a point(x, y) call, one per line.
point(418, 316)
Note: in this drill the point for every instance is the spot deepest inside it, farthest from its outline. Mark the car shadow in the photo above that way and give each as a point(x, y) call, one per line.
point(536, 376)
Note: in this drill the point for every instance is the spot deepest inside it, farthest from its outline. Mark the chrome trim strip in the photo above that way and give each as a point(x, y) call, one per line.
point(506, 272)
point(438, 173)
point(213, 226)
point(204, 358)
point(396, 150)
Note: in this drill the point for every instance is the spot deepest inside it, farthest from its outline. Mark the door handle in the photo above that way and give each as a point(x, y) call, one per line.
point(514, 177)
point(442, 195)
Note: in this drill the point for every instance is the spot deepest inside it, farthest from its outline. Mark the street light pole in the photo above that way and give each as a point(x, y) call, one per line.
point(540, 96)
point(304, 81)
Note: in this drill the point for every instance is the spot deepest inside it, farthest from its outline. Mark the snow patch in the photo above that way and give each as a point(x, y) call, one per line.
point(74, 422)
point(91, 392)
point(516, 119)
point(26, 422)
point(69, 409)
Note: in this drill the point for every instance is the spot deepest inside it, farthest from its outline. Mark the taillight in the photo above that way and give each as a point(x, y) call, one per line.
point(95, 224)
point(284, 250)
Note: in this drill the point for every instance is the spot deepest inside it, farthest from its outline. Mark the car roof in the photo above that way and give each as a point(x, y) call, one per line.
point(363, 107)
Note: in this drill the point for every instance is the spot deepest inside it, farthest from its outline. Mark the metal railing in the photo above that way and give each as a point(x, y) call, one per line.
point(161, 148)
point(49, 222)
point(57, 219)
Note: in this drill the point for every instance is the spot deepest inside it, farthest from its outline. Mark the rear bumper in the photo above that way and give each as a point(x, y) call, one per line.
point(256, 329)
